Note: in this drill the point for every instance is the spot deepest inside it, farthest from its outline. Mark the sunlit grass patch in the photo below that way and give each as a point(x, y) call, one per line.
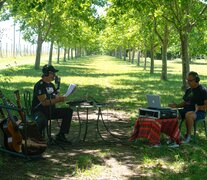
point(161, 165)
point(88, 166)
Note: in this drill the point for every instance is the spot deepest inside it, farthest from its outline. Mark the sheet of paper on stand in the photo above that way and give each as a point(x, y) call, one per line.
point(70, 90)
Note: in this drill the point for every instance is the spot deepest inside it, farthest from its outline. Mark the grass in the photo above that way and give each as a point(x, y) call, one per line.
point(124, 85)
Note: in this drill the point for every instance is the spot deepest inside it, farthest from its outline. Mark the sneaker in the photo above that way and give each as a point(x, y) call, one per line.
point(156, 145)
point(62, 138)
point(187, 140)
point(170, 141)
point(174, 145)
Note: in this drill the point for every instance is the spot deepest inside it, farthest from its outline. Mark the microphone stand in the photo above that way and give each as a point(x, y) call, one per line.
point(57, 82)
point(51, 140)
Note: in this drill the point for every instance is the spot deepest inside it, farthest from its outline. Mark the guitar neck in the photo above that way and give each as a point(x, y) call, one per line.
point(17, 96)
point(2, 113)
point(11, 117)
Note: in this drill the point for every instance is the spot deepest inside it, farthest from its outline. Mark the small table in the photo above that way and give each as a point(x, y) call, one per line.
point(151, 129)
point(86, 106)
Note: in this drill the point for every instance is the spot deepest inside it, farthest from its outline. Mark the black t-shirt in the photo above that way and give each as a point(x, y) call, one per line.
point(41, 88)
point(194, 96)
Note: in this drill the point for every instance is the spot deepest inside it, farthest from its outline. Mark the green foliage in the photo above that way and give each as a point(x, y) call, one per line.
point(5, 76)
point(2, 3)
point(69, 24)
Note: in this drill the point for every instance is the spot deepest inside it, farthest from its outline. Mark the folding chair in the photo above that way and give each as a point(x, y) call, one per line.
point(28, 107)
point(27, 103)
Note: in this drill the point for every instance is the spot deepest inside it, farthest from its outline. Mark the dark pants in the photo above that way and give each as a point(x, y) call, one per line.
point(65, 114)
point(199, 114)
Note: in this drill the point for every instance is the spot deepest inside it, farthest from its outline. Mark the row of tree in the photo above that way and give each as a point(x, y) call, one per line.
point(128, 26)
point(178, 26)
point(66, 23)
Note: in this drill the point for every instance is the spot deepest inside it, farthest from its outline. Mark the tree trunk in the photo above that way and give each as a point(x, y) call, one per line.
point(65, 52)
point(115, 53)
point(38, 52)
point(50, 55)
point(130, 55)
point(120, 52)
point(185, 60)
point(71, 53)
point(58, 55)
point(138, 58)
point(80, 51)
point(145, 60)
point(125, 53)
point(14, 41)
point(164, 53)
point(133, 54)
point(76, 52)
point(152, 47)
point(68, 53)
point(152, 59)
point(164, 62)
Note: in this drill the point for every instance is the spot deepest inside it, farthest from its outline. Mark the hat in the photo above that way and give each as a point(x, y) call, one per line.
point(47, 68)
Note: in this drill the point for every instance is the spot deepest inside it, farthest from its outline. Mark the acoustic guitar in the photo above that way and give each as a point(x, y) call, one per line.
point(14, 137)
point(32, 144)
point(2, 133)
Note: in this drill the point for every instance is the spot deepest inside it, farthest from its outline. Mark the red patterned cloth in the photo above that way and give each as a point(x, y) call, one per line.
point(151, 129)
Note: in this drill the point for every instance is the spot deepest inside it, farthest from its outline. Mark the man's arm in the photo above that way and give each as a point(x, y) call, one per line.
point(175, 105)
point(203, 107)
point(47, 102)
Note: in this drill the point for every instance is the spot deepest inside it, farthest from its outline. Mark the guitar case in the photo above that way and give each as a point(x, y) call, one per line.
point(3, 134)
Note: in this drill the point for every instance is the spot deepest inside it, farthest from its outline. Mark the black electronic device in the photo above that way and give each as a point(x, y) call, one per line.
point(165, 113)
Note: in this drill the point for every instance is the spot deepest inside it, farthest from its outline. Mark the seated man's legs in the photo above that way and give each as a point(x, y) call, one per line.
point(66, 115)
point(41, 121)
point(189, 120)
point(190, 117)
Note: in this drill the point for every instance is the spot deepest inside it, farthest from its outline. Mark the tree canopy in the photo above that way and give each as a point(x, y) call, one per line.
point(148, 27)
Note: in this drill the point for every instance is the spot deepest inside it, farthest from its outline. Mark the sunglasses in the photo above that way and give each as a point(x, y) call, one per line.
point(190, 80)
point(51, 73)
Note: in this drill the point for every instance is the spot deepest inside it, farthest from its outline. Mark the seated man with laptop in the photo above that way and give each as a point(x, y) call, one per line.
point(194, 103)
